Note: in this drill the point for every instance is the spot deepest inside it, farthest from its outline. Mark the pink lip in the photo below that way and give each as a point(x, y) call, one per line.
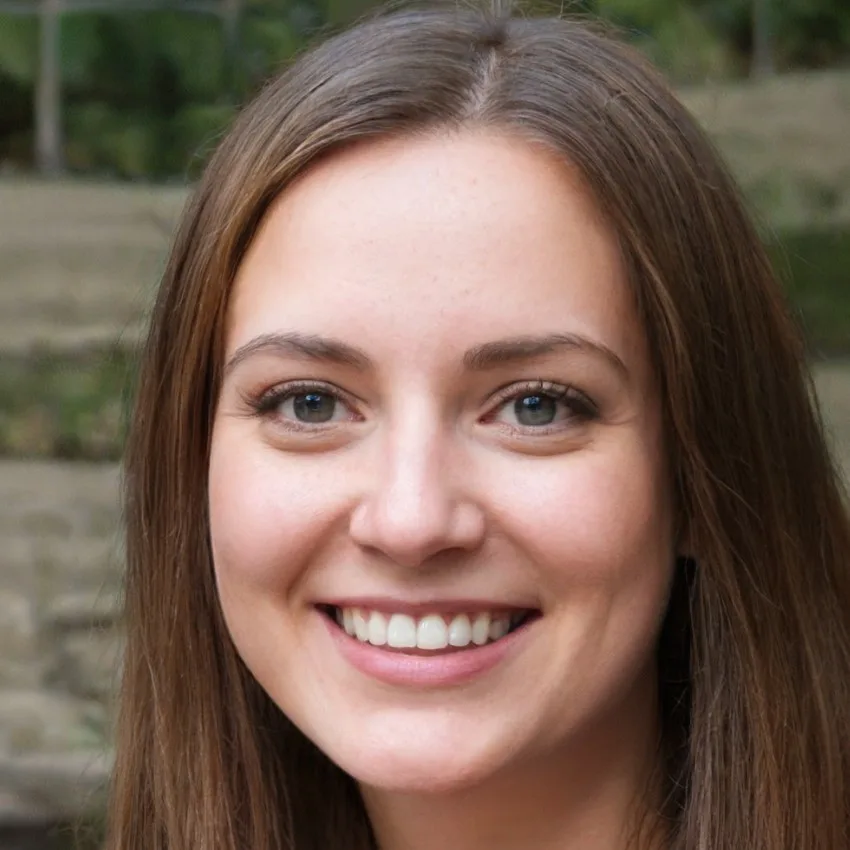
point(424, 671)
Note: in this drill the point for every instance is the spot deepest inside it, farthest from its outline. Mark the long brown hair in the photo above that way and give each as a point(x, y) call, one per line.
point(755, 654)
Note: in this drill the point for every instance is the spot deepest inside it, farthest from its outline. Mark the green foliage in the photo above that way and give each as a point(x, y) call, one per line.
point(642, 15)
point(815, 266)
point(266, 43)
point(195, 129)
point(18, 50)
point(813, 33)
point(71, 407)
point(144, 92)
point(154, 58)
point(674, 35)
point(138, 84)
point(81, 45)
point(340, 12)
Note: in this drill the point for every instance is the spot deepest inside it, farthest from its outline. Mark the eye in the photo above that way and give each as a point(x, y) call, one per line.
point(543, 406)
point(311, 408)
point(303, 405)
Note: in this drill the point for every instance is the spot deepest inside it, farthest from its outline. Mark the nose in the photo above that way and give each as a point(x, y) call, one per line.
point(417, 506)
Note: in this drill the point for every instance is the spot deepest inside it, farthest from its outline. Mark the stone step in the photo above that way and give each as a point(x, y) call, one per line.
point(52, 787)
point(60, 565)
point(60, 634)
point(79, 261)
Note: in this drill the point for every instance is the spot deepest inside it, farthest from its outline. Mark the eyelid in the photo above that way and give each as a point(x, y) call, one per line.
point(265, 402)
point(550, 388)
point(268, 399)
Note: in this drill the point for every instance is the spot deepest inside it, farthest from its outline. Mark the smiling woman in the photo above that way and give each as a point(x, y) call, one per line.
point(475, 492)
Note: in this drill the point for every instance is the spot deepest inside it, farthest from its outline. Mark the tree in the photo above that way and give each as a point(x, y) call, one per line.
point(763, 64)
point(341, 12)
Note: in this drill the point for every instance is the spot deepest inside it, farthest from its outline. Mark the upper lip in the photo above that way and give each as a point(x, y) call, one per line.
point(389, 605)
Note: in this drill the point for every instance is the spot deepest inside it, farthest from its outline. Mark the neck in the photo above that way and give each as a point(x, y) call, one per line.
point(597, 792)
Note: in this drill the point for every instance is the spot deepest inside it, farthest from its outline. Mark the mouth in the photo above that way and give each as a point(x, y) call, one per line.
point(433, 633)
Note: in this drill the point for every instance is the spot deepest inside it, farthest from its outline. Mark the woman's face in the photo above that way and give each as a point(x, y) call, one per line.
point(439, 504)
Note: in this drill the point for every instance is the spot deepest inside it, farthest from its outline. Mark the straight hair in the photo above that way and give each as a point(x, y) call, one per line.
point(754, 657)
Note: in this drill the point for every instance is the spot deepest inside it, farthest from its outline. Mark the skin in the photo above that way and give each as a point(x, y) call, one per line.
point(427, 484)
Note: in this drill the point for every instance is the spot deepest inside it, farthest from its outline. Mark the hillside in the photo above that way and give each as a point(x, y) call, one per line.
point(787, 140)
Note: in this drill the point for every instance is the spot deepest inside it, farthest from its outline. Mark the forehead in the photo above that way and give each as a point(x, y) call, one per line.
point(422, 245)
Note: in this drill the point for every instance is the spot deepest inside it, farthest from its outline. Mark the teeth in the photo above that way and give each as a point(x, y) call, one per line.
point(431, 632)
point(377, 629)
point(361, 626)
point(401, 631)
point(460, 631)
point(481, 629)
point(499, 627)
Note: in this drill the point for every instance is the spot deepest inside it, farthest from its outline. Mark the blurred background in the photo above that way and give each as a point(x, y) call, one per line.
point(108, 109)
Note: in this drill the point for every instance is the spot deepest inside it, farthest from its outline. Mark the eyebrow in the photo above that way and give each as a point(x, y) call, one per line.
point(489, 355)
point(303, 347)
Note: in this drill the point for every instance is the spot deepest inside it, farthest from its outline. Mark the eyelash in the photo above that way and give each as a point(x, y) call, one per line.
point(267, 402)
point(582, 407)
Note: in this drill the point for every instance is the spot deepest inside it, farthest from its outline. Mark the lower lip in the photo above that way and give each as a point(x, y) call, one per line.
point(425, 671)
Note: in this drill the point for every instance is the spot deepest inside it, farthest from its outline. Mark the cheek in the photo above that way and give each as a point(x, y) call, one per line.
point(600, 516)
point(265, 515)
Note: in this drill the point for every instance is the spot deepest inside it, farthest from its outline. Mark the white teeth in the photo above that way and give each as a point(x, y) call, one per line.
point(432, 633)
point(401, 632)
point(460, 631)
point(481, 629)
point(377, 629)
point(361, 625)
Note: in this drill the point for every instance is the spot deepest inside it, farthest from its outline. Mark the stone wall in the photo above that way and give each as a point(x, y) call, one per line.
point(60, 637)
point(78, 263)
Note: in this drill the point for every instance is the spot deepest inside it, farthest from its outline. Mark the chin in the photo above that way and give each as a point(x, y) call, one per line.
point(417, 767)
point(403, 777)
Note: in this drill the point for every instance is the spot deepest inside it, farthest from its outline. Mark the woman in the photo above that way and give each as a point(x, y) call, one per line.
point(476, 494)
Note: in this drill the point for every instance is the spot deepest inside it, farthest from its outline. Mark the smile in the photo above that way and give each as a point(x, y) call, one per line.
point(432, 632)
point(427, 651)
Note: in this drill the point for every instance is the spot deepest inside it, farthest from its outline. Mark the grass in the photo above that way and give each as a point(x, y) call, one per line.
point(67, 407)
point(73, 406)
point(785, 139)
point(815, 268)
